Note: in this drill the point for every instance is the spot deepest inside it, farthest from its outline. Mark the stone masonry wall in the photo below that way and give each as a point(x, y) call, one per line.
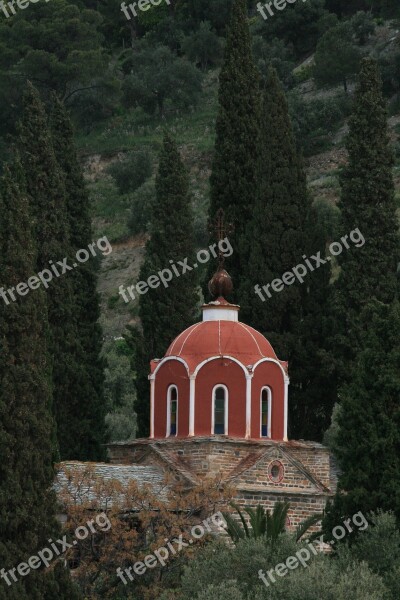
point(248, 465)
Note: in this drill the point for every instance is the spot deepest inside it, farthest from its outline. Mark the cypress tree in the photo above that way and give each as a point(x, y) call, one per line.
point(89, 379)
point(312, 391)
point(283, 232)
point(367, 203)
point(367, 314)
point(165, 311)
point(234, 170)
point(277, 227)
point(46, 190)
point(368, 443)
point(27, 502)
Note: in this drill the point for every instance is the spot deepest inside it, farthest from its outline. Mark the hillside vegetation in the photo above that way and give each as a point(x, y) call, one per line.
point(319, 115)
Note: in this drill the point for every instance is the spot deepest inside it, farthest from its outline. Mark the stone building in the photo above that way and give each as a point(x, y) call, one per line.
point(219, 405)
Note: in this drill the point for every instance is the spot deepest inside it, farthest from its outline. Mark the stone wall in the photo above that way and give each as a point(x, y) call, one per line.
point(262, 472)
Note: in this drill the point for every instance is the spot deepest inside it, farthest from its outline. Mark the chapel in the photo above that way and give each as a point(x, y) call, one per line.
point(219, 377)
point(218, 405)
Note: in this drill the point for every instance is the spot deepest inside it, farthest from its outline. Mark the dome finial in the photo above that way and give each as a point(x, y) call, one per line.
point(221, 283)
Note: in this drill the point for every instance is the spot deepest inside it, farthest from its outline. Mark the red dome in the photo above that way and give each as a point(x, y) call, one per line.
point(220, 338)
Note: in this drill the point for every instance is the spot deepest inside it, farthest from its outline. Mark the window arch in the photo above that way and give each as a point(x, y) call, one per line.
point(265, 412)
point(219, 410)
point(172, 411)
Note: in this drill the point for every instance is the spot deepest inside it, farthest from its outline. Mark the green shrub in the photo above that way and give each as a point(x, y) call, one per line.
point(141, 208)
point(131, 172)
point(218, 563)
point(363, 26)
point(304, 74)
point(337, 58)
point(274, 52)
point(159, 81)
point(119, 392)
point(203, 47)
point(379, 547)
point(315, 122)
point(223, 591)
point(389, 64)
point(325, 579)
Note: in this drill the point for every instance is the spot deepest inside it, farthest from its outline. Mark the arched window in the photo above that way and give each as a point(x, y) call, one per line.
point(172, 410)
point(266, 412)
point(220, 410)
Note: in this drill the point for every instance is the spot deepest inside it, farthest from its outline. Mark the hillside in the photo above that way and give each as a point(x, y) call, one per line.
point(133, 130)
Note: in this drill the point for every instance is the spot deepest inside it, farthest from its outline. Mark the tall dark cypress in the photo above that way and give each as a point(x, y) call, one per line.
point(45, 186)
point(312, 391)
point(368, 444)
point(234, 170)
point(166, 311)
point(367, 203)
point(89, 379)
point(284, 229)
point(27, 503)
point(277, 226)
point(367, 318)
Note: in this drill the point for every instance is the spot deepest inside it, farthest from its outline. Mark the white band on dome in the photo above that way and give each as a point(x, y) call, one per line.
point(212, 313)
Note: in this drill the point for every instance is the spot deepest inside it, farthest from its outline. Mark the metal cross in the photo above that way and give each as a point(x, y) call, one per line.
point(221, 230)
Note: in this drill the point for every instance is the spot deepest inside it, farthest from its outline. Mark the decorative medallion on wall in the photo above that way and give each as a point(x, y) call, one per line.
point(276, 471)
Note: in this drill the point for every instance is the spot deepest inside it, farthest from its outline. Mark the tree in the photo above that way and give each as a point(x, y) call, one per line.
point(277, 224)
point(234, 169)
point(142, 202)
point(166, 311)
point(298, 26)
point(86, 404)
point(27, 501)
point(284, 229)
point(385, 8)
point(132, 172)
point(367, 203)
point(369, 419)
point(379, 547)
point(120, 394)
point(389, 66)
point(264, 523)
point(159, 76)
point(158, 514)
point(218, 566)
point(363, 26)
point(215, 11)
point(46, 191)
point(336, 58)
point(203, 47)
point(276, 54)
point(57, 48)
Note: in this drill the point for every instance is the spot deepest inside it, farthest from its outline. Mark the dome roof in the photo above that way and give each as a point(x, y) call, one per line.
point(220, 338)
